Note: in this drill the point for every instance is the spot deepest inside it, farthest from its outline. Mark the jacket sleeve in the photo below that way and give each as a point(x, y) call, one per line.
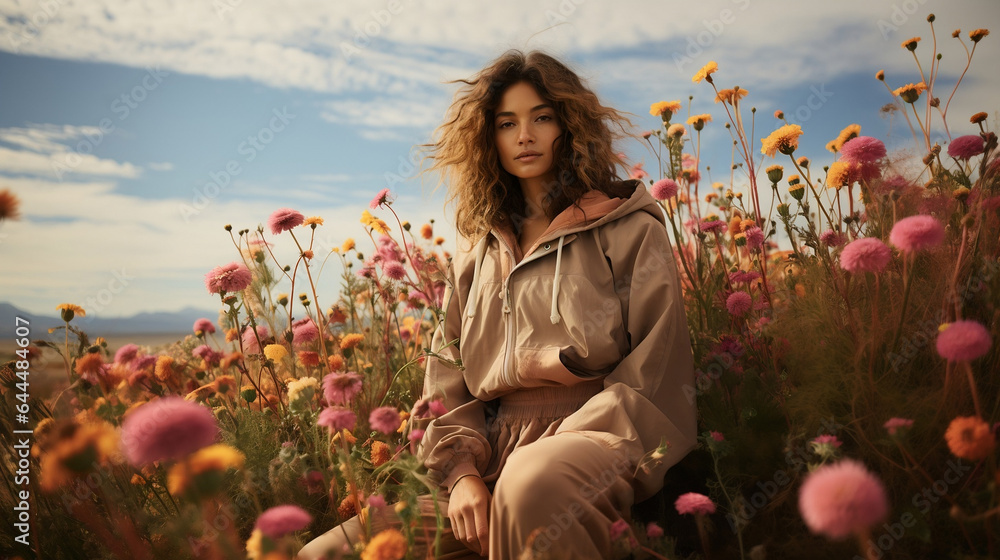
point(454, 444)
point(650, 393)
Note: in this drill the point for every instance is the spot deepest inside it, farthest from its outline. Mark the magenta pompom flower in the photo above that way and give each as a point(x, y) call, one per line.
point(916, 233)
point(341, 388)
point(284, 219)
point(963, 341)
point(664, 189)
point(250, 342)
point(383, 197)
point(895, 425)
point(278, 521)
point(337, 418)
point(862, 150)
point(385, 419)
point(126, 354)
point(618, 529)
point(232, 277)
point(169, 428)
point(694, 503)
point(304, 330)
point(832, 238)
point(394, 270)
point(755, 237)
point(966, 147)
point(653, 530)
point(203, 326)
point(738, 303)
point(867, 254)
point(842, 499)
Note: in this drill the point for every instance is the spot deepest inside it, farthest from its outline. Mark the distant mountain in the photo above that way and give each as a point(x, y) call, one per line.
point(142, 323)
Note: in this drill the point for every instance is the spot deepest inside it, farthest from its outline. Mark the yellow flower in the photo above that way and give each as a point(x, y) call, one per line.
point(313, 220)
point(659, 108)
point(80, 445)
point(730, 96)
point(275, 352)
point(255, 545)
point(301, 391)
point(212, 459)
point(379, 226)
point(841, 174)
point(366, 218)
point(910, 92)
point(803, 161)
point(785, 140)
point(706, 72)
point(849, 132)
point(224, 384)
point(351, 340)
point(698, 121)
point(380, 453)
point(977, 34)
point(774, 173)
point(387, 545)
point(676, 130)
point(69, 310)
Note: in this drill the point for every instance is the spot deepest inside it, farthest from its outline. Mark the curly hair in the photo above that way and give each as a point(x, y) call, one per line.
point(464, 148)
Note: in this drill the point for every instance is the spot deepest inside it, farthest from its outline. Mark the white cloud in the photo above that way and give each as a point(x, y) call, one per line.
point(55, 151)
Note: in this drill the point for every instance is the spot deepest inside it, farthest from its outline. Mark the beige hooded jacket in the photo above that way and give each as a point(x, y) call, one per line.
point(595, 300)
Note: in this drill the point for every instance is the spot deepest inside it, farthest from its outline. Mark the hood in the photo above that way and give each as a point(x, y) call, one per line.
point(595, 209)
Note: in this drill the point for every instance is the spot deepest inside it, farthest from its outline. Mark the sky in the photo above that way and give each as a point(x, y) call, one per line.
point(133, 131)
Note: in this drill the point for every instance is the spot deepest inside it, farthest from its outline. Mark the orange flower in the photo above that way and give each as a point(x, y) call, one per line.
point(215, 458)
point(313, 221)
point(969, 437)
point(426, 231)
point(977, 34)
point(79, 446)
point(164, 370)
point(659, 108)
point(785, 140)
point(390, 544)
point(336, 362)
point(911, 43)
point(706, 72)
point(351, 340)
point(731, 96)
point(348, 244)
point(698, 121)
point(910, 92)
point(88, 366)
point(224, 384)
point(8, 205)
point(978, 117)
point(849, 132)
point(232, 335)
point(70, 310)
point(841, 174)
point(380, 453)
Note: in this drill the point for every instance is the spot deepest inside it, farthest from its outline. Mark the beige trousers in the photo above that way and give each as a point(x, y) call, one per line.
point(562, 492)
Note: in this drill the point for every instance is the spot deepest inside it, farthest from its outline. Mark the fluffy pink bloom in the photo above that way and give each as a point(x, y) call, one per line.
point(862, 149)
point(385, 419)
point(966, 147)
point(865, 254)
point(842, 499)
point(437, 408)
point(755, 237)
point(653, 530)
point(204, 325)
point(743, 276)
point(416, 435)
point(916, 233)
point(712, 225)
point(304, 330)
point(738, 303)
point(166, 429)
point(893, 425)
point(337, 418)
point(278, 521)
point(963, 341)
point(206, 353)
point(376, 501)
point(250, 344)
point(126, 354)
point(664, 189)
point(638, 172)
point(617, 529)
point(832, 238)
point(284, 219)
point(717, 436)
point(232, 277)
point(694, 503)
point(383, 197)
point(394, 270)
point(341, 388)
point(827, 439)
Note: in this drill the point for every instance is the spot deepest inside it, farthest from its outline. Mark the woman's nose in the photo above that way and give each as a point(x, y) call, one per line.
point(525, 135)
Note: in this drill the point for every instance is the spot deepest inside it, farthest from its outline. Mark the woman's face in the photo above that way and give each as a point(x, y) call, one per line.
point(526, 132)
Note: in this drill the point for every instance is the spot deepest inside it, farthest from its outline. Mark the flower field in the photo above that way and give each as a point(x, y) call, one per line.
point(843, 315)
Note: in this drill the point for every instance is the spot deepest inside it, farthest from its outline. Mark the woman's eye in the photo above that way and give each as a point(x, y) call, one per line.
point(544, 118)
point(507, 124)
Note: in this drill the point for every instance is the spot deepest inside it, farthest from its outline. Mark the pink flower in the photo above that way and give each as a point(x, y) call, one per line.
point(167, 429)
point(638, 172)
point(694, 503)
point(376, 501)
point(966, 147)
point(204, 325)
point(916, 233)
point(894, 425)
point(653, 530)
point(617, 529)
point(664, 189)
point(284, 219)
point(743, 276)
point(717, 436)
point(416, 435)
point(862, 150)
point(738, 303)
point(385, 419)
point(206, 353)
point(865, 254)
point(232, 277)
point(250, 344)
point(963, 341)
point(827, 439)
point(126, 354)
point(278, 521)
point(842, 499)
point(383, 197)
point(304, 330)
point(712, 225)
point(437, 408)
point(755, 237)
point(394, 270)
point(832, 238)
point(337, 418)
point(341, 388)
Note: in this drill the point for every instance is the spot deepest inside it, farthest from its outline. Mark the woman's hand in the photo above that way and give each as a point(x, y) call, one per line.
point(468, 510)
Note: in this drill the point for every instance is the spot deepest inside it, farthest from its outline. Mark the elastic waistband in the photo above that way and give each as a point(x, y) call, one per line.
point(548, 402)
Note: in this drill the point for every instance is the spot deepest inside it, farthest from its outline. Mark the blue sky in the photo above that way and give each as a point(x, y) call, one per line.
point(120, 118)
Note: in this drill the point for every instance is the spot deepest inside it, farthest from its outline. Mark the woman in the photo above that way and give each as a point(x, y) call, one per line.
point(569, 322)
